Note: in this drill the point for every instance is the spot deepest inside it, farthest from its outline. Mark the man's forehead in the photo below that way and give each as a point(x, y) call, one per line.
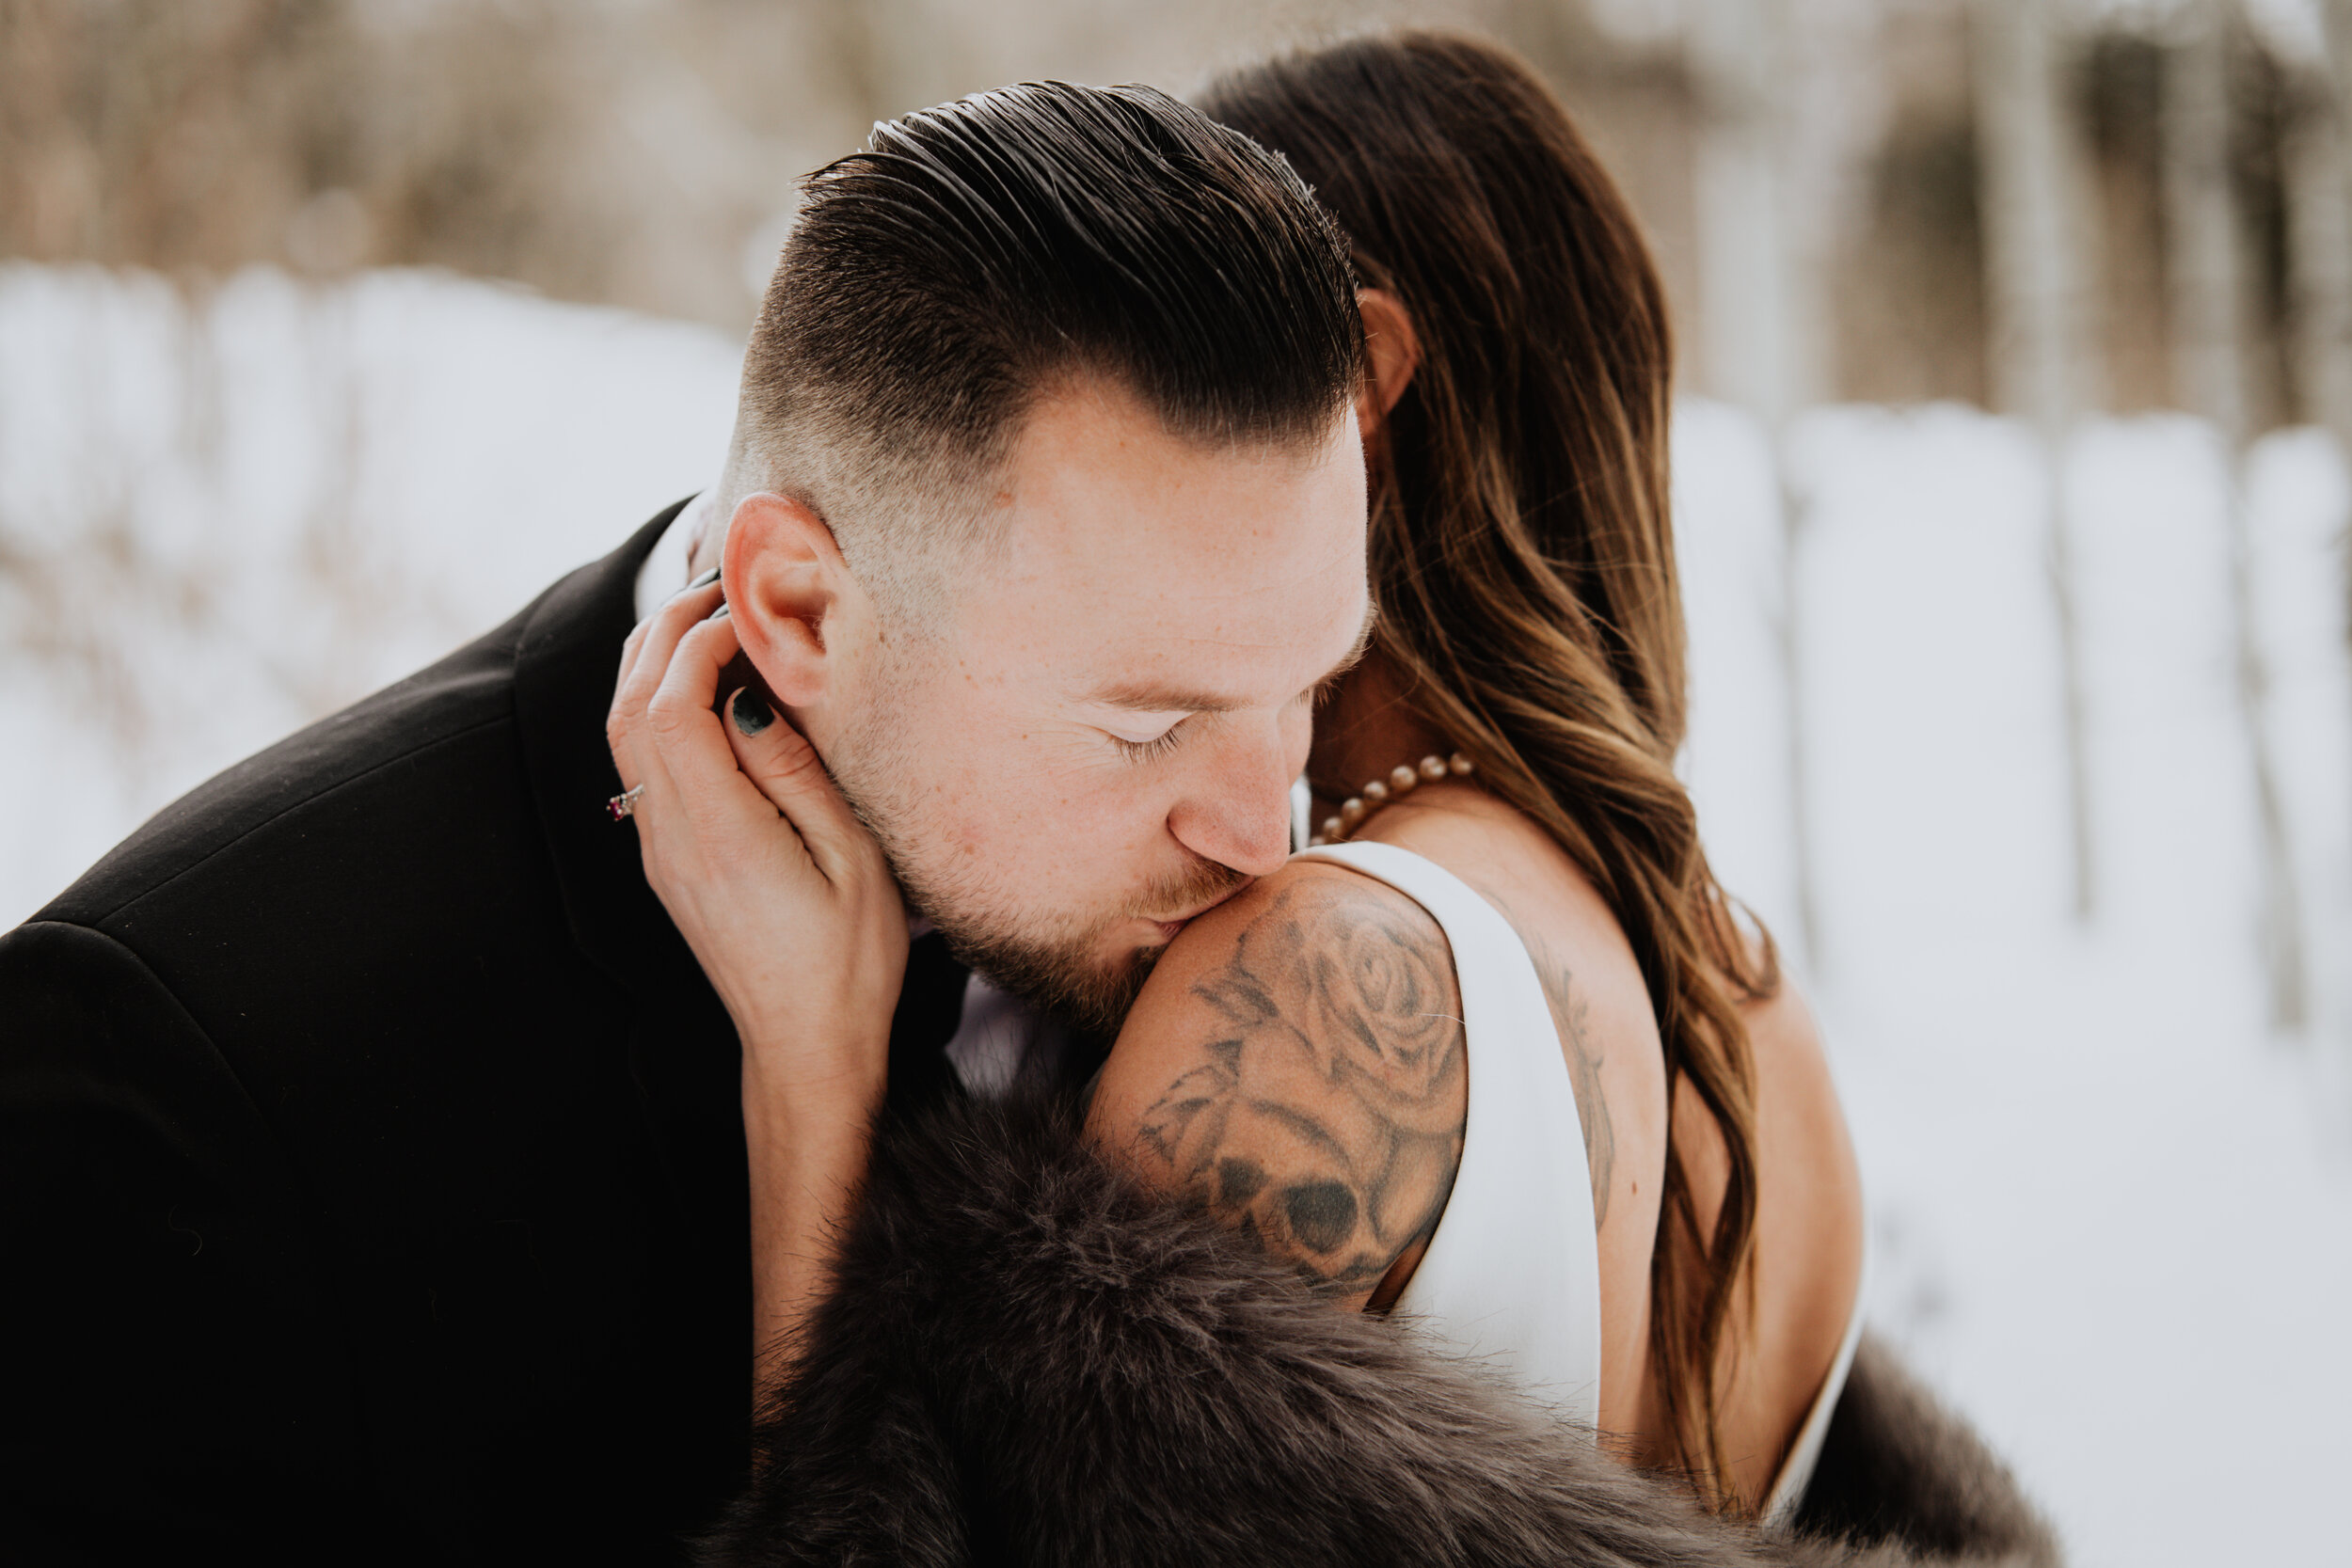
point(1176, 638)
point(1134, 567)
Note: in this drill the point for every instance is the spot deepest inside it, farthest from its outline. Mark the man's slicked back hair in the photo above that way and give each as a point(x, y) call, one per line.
point(977, 254)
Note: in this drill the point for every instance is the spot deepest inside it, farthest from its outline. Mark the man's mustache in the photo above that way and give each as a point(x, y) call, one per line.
point(1206, 883)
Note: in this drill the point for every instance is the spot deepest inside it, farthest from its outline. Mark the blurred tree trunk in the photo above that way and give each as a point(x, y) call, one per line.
point(2211, 316)
point(2321, 207)
point(2319, 256)
point(2035, 197)
point(1759, 321)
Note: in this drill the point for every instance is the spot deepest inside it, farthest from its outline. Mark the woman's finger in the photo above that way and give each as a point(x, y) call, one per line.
point(687, 602)
point(630, 647)
point(786, 768)
point(686, 746)
point(615, 721)
point(646, 659)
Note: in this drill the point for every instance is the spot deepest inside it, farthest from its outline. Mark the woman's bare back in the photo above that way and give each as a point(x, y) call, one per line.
point(1261, 1093)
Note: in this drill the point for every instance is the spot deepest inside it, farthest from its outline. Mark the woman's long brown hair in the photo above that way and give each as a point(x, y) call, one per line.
point(1522, 554)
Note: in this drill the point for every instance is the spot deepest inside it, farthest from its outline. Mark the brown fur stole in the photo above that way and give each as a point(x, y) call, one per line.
point(1030, 1359)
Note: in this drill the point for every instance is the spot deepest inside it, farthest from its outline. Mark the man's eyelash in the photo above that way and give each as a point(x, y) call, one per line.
point(1148, 750)
point(1164, 742)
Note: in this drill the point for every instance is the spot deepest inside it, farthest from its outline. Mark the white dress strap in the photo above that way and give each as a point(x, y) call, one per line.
point(1512, 1277)
point(1804, 1454)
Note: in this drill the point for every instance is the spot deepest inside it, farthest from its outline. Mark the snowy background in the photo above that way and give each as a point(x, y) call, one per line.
point(2113, 1206)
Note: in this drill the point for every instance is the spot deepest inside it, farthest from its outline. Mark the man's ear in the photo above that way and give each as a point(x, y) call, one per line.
point(784, 580)
point(1392, 354)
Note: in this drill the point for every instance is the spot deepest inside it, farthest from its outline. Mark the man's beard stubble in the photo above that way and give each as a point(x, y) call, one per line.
point(1061, 978)
point(1055, 973)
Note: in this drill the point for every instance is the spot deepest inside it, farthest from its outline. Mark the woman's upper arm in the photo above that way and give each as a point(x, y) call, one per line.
point(1297, 1058)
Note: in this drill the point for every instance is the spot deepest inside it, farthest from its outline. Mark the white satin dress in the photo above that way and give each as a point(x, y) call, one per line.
point(1512, 1274)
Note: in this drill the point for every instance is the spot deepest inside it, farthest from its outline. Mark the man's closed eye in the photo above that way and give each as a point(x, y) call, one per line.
point(1146, 747)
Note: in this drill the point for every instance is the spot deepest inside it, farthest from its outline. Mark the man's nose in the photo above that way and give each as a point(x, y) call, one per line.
point(1239, 814)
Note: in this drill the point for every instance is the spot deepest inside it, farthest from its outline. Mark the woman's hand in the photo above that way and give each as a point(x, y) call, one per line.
point(777, 887)
point(789, 903)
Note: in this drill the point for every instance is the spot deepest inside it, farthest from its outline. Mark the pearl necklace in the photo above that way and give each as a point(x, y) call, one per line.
point(1402, 780)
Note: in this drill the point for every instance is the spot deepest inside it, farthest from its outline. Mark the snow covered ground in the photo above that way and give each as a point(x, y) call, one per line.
point(219, 523)
point(2114, 1210)
point(2113, 1206)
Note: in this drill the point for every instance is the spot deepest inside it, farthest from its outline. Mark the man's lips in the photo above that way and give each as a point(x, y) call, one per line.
point(1170, 927)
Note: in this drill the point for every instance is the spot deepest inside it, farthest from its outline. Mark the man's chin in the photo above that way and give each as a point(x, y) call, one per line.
point(1078, 990)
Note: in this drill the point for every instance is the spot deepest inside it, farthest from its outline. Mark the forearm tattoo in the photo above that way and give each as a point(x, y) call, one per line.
point(1327, 1114)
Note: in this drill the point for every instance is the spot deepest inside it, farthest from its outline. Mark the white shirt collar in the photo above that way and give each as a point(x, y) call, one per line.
point(663, 572)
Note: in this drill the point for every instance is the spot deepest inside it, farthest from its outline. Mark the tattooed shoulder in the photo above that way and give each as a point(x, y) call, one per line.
point(1325, 1089)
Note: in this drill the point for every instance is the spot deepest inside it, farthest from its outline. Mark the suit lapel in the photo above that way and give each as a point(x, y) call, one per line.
point(564, 670)
point(682, 1053)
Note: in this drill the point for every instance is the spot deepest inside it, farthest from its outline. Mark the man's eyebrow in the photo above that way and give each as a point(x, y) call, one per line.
point(1165, 699)
point(1175, 699)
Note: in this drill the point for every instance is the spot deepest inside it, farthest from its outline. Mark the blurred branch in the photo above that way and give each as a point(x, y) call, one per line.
point(2212, 309)
point(1761, 327)
point(2035, 207)
point(2324, 195)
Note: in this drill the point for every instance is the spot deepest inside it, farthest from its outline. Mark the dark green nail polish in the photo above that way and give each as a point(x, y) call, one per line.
point(751, 715)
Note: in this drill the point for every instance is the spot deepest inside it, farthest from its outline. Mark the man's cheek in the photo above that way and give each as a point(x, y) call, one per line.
point(1003, 816)
point(968, 832)
point(973, 812)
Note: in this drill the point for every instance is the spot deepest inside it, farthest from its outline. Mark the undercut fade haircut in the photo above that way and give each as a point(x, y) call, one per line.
point(981, 254)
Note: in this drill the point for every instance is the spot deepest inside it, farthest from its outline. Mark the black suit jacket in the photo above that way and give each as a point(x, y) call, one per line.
point(371, 1162)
